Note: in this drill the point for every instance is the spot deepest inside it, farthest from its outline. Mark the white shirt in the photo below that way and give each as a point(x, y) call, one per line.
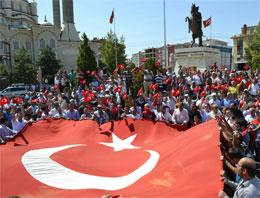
point(18, 126)
point(180, 116)
point(250, 118)
point(254, 88)
point(166, 117)
point(196, 78)
point(217, 102)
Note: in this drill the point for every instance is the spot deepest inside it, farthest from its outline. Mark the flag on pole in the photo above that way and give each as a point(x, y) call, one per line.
point(207, 22)
point(111, 17)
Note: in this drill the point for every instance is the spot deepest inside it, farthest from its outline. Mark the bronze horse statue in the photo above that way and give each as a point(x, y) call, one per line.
point(195, 24)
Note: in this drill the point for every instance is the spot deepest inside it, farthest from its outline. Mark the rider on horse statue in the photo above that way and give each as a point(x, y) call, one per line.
point(195, 24)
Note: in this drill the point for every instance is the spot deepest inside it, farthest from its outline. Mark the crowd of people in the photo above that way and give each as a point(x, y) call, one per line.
point(186, 98)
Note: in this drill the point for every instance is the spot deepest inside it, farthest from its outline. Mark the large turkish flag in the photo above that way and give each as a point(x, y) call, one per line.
point(67, 158)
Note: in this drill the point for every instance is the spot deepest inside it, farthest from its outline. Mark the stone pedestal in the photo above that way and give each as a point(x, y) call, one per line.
point(200, 58)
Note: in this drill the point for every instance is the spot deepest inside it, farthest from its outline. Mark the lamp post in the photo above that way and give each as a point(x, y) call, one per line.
point(9, 57)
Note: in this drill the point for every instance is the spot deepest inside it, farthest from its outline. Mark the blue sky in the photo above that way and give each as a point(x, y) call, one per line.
point(141, 21)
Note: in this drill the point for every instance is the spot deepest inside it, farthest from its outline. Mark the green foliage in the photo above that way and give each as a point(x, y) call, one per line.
point(86, 59)
point(253, 55)
point(4, 75)
point(49, 64)
point(23, 70)
point(108, 51)
point(132, 66)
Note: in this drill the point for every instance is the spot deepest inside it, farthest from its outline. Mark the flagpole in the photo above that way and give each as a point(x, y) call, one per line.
point(165, 47)
point(211, 27)
point(115, 35)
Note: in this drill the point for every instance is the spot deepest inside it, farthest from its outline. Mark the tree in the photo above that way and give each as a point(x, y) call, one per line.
point(23, 71)
point(86, 59)
point(150, 61)
point(108, 51)
point(48, 63)
point(4, 77)
point(253, 49)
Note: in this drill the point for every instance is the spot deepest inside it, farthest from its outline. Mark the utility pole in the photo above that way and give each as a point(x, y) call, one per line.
point(9, 56)
point(165, 47)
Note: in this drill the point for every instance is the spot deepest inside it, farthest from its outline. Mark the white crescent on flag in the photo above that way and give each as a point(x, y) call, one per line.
point(40, 166)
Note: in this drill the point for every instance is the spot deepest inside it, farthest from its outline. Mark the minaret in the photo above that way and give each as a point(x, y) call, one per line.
point(69, 32)
point(56, 13)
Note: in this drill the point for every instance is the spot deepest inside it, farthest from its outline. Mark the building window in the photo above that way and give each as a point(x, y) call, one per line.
point(252, 31)
point(12, 5)
point(52, 43)
point(16, 45)
point(1, 3)
point(42, 43)
point(28, 45)
point(20, 7)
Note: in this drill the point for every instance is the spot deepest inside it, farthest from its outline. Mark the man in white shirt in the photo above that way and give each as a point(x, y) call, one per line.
point(164, 115)
point(18, 123)
point(180, 115)
point(72, 113)
point(214, 100)
point(214, 112)
point(254, 87)
point(251, 116)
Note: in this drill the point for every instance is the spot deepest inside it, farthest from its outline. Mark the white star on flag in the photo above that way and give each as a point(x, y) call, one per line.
point(119, 144)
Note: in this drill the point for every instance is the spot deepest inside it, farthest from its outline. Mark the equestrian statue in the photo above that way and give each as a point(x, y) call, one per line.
point(195, 24)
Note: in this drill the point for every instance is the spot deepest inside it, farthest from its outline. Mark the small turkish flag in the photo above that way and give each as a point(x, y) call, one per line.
point(189, 69)
point(175, 93)
point(100, 88)
point(143, 59)
point(46, 92)
point(238, 80)
point(89, 107)
point(197, 88)
point(111, 17)
point(183, 88)
point(4, 101)
point(88, 98)
point(256, 104)
point(17, 100)
point(87, 72)
point(140, 92)
point(157, 95)
point(35, 100)
point(206, 100)
point(92, 94)
point(223, 67)
point(99, 75)
point(212, 87)
point(106, 101)
point(115, 71)
point(241, 103)
point(168, 81)
point(141, 67)
point(232, 71)
point(44, 101)
point(158, 64)
point(246, 67)
point(55, 87)
point(207, 22)
point(202, 93)
point(125, 96)
point(248, 83)
point(118, 89)
point(120, 66)
point(155, 102)
point(114, 110)
point(85, 93)
point(83, 82)
point(92, 73)
point(152, 86)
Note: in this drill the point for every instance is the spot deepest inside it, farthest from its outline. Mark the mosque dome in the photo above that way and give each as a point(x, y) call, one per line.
point(46, 23)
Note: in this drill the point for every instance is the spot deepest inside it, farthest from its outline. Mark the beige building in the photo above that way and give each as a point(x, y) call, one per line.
point(240, 43)
point(19, 27)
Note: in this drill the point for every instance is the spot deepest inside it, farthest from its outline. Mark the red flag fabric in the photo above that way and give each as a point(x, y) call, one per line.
point(157, 95)
point(88, 98)
point(46, 92)
point(17, 100)
point(168, 81)
point(140, 92)
point(105, 101)
point(87, 72)
point(206, 100)
point(4, 101)
point(125, 96)
point(223, 67)
point(158, 64)
point(197, 88)
point(114, 110)
point(143, 59)
point(83, 82)
point(212, 87)
point(92, 73)
point(189, 69)
point(141, 67)
point(248, 83)
point(115, 71)
point(202, 93)
point(100, 88)
point(183, 88)
point(246, 67)
point(257, 103)
point(85, 93)
point(214, 66)
point(111, 160)
point(120, 66)
point(44, 101)
point(241, 103)
point(238, 79)
point(175, 92)
point(152, 86)
point(255, 121)
point(90, 107)
point(232, 71)
point(118, 89)
point(111, 17)
point(155, 102)
point(55, 87)
point(207, 22)
point(35, 100)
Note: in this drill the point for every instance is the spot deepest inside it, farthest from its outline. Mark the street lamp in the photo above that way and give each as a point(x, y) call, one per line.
point(9, 57)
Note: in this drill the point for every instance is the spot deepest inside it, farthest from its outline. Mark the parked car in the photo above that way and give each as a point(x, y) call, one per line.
point(16, 91)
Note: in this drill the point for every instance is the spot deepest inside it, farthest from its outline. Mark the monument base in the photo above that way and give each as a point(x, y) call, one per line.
point(199, 58)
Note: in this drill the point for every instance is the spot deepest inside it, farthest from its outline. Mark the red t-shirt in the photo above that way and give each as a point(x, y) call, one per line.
point(148, 115)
